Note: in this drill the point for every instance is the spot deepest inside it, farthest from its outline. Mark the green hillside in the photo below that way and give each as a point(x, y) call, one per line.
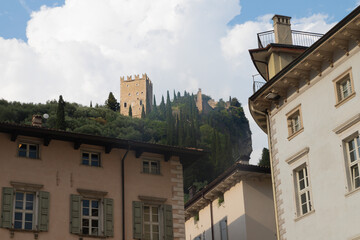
point(223, 131)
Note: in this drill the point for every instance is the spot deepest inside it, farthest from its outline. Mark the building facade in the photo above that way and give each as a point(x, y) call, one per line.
point(137, 93)
point(308, 109)
point(236, 205)
point(60, 185)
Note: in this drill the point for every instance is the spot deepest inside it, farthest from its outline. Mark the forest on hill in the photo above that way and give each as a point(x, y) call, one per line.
point(223, 131)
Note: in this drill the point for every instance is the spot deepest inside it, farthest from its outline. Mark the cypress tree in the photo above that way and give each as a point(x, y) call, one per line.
point(162, 109)
point(130, 111)
point(174, 100)
point(60, 114)
point(143, 112)
point(112, 103)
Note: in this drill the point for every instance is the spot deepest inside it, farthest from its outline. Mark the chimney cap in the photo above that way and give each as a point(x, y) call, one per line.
point(281, 19)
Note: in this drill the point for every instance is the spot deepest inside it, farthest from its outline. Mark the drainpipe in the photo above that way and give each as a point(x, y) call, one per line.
point(272, 171)
point(211, 216)
point(123, 190)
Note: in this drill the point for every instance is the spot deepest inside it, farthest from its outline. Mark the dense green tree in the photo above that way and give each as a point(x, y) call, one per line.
point(130, 111)
point(112, 103)
point(264, 161)
point(60, 114)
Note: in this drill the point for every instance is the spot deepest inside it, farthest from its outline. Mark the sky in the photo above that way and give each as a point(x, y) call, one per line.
point(80, 48)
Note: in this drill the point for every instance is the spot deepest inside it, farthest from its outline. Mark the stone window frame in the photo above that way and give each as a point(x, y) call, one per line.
point(339, 98)
point(290, 119)
point(90, 152)
point(150, 171)
point(350, 165)
point(28, 142)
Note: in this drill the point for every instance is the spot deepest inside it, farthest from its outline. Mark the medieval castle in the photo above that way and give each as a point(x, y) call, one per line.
point(137, 93)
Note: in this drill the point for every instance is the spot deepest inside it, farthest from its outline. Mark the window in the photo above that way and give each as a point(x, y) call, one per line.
point(125, 104)
point(223, 229)
point(90, 159)
point(25, 210)
point(137, 93)
point(91, 216)
point(152, 221)
point(294, 121)
point(140, 102)
point(28, 150)
point(150, 166)
point(353, 151)
point(344, 87)
point(303, 198)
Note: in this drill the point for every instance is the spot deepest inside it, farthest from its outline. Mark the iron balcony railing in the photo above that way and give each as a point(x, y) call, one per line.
point(299, 38)
point(256, 83)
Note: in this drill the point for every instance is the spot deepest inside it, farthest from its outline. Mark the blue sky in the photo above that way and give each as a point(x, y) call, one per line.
point(80, 48)
point(14, 14)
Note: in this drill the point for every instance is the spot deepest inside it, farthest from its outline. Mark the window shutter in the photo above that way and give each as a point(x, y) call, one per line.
point(168, 222)
point(109, 217)
point(7, 207)
point(137, 220)
point(75, 214)
point(43, 215)
point(223, 229)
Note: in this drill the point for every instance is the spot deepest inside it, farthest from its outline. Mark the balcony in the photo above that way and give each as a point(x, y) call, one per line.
point(258, 82)
point(299, 38)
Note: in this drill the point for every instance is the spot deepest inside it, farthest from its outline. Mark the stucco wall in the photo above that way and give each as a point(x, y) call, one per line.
point(59, 169)
point(248, 207)
point(336, 212)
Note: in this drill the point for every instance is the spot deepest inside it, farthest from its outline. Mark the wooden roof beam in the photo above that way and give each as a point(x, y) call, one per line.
point(353, 34)
point(341, 44)
point(325, 55)
point(314, 65)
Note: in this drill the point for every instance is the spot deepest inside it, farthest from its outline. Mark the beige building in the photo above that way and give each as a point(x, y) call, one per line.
point(308, 107)
point(236, 205)
point(136, 92)
point(60, 185)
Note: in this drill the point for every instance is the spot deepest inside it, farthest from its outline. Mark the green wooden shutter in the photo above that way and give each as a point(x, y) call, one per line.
point(75, 214)
point(108, 217)
point(43, 214)
point(137, 220)
point(168, 222)
point(7, 207)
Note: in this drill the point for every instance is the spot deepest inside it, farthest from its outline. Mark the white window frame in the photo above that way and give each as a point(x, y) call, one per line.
point(303, 190)
point(90, 158)
point(150, 170)
point(24, 211)
point(152, 223)
point(90, 217)
point(344, 87)
point(294, 122)
point(355, 164)
point(28, 150)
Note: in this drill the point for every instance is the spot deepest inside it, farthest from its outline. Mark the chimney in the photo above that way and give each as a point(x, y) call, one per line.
point(37, 121)
point(282, 29)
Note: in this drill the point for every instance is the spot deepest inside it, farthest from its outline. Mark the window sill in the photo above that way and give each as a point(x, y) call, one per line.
point(23, 230)
point(303, 216)
point(352, 95)
point(81, 236)
point(352, 192)
point(152, 174)
point(28, 158)
point(296, 133)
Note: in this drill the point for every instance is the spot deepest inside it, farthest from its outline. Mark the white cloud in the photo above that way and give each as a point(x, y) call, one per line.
point(81, 49)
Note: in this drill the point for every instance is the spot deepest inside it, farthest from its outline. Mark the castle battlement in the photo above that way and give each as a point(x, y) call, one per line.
point(136, 77)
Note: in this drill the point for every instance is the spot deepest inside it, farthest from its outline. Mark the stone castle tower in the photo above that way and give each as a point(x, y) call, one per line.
point(137, 93)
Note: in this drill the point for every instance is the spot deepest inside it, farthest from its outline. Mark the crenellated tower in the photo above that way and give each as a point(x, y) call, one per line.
point(136, 92)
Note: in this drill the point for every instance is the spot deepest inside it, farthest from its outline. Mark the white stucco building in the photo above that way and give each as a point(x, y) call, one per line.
point(236, 205)
point(309, 107)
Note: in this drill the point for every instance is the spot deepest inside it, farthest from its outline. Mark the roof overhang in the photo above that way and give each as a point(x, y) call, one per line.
point(187, 155)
